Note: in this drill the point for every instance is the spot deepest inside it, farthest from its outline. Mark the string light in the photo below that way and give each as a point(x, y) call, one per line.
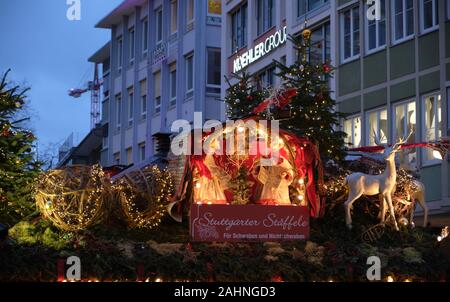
point(73, 198)
point(143, 200)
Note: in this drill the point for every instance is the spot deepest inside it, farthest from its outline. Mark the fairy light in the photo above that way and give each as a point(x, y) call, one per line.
point(443, 235)
point(73, 198)
point(159, 187)
point(390, 279)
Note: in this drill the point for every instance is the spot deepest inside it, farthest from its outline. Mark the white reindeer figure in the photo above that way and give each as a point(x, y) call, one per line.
point(418, 189)
point(383, 185)
point(418, 195)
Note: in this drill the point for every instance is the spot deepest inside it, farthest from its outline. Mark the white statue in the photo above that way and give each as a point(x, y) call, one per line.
point(276, 180)
point(418, 193)
point(383, 185)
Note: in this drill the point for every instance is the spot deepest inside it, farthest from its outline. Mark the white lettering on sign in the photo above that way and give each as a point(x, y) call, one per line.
point(260, 50)
point(271, 221)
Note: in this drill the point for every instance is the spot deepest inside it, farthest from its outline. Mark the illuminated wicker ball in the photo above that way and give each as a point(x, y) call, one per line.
point(74, 197)
point(143, 195)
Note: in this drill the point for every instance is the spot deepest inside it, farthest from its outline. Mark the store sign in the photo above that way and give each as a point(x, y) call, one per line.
point(215, 7)
point(159, 53)
point(240, 223)
point(260, 50)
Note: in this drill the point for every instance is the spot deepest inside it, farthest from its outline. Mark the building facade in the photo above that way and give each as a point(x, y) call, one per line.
point(392, 73)
point(165, 64)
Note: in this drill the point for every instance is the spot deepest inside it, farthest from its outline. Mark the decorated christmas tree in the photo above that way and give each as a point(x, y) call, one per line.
point(243, 97)
point(313, 112)
point(18, 167)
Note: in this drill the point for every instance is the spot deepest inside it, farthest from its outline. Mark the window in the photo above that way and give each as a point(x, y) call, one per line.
point(131, 32)
point(130, 106)
point(448, 9)
point(377, 125)
point(305, 6)
point(119, 52)
point(159, 25)
point(142, 151)
point(282, 9)
point(267, 77)
point(376, 30)
point(189, 75)
point(116, 158)
point(129, 153)
point(405, 123)
point(155, 146)
point(432, 123)
point(352, 126)
point(173, 84)
point(118, 111)
point(190, 11)
point(213, 75)
point(144, 107)
point(350, 33)
point(105, 142)
point(403, 20)
point(157, 91)
point(145, 35)
point(143, 99)
point(239, 28)
point(173, 16)
point(265, 15)
point(429, 15)
point(320, 45)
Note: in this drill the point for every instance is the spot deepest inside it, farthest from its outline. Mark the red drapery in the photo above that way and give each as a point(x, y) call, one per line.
point(302, 153)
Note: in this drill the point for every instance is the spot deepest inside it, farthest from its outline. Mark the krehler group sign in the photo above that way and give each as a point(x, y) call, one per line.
point(260, 50)
point(248, 223)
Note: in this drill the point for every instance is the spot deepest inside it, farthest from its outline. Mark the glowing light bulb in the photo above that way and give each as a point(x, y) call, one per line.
point(390, 279)
point(437, 154)
point(241, 129)
point(301, 181)
point(300, 197)
point(198, 185)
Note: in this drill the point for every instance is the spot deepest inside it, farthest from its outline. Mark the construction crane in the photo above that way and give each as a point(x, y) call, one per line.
point(94, 87)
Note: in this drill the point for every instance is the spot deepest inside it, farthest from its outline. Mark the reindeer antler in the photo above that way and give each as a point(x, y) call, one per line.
point(401, 141)
point(376, 138)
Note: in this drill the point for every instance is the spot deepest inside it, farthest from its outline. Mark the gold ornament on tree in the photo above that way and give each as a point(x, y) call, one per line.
point(74, 197)
point(306, 34)
point(143, 195)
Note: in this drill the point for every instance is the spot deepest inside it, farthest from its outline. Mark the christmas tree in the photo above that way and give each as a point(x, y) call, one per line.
point(313, 113)
point(18, 168)
point(243, 97)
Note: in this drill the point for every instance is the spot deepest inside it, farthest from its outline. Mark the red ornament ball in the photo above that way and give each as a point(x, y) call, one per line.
point(326, 68)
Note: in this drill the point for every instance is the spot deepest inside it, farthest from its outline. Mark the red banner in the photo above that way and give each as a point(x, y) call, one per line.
point(240, 223)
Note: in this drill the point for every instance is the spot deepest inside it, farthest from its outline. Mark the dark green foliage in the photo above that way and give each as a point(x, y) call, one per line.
point(18, 168)
point(313, 109)
point(243, 97)
point(332, 252)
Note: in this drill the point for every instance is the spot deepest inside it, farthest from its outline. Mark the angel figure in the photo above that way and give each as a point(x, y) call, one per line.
point(276, 180)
